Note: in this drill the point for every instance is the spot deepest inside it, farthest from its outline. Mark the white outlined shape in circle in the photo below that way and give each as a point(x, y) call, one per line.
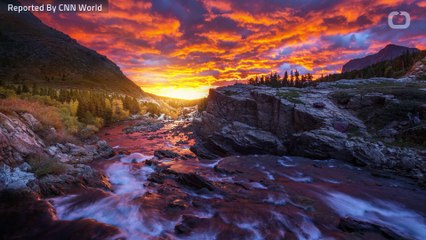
point(399, 26)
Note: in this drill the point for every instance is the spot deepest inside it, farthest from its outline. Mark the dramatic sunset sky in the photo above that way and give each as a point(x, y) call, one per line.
point(182, 48)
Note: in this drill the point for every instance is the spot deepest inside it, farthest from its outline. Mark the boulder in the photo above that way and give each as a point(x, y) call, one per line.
point(188, 223)
point(341, 125)
point(14, 178)
point(238, 137)
point(145, 125)
point(160, 154)
point(348, 224)
point(72, 153)
point(202, 152)
point(78, 176)
point(366, 154)
point(26, 216)
point(178, 204)
point(194, 181)
point(242, 120)
point(359, 101)
point(103, 150)
point(321, 144)
point(387, 132)
point(416, 135)
point(319, 105)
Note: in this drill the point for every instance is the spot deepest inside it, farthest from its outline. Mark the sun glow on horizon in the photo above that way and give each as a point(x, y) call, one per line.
point(180, 49)
point(188, 93)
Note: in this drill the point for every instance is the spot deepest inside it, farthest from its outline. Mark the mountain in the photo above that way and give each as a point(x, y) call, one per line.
point(391, 51)
point(32, 52)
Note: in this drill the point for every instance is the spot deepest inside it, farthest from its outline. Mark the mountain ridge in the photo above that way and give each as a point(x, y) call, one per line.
point(389, 52)
point(31, 52)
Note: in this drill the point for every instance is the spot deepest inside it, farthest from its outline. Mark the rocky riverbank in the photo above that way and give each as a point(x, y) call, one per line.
point(32, 169)
point(149, 185)
point(378, 123)
point(162, 191)
point(27, 161)
point(157, 189)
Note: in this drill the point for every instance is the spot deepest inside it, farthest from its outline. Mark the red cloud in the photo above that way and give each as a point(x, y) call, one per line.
point(197, 44)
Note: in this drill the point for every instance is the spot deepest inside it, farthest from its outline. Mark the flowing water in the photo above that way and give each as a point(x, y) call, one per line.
point(241, 197)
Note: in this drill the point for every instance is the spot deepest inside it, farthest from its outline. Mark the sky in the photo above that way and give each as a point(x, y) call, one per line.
point(182, 48)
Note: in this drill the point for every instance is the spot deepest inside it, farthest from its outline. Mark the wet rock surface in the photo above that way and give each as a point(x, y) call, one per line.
point(353, 226)
point(144, 125)
point(72, 153)
point(160, 154)
point(26, 216)
point(321, 123)
point(194, 181)
point(242, 197)
point(138, 194)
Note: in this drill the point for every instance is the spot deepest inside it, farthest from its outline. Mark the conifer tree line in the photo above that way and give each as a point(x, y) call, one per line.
point(89, 107)
point(394, 68)
point(292, 79)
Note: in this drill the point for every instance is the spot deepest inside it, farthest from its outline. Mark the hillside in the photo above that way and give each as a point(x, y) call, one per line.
point(390, 52)
point(32, 52)
point(407, 65)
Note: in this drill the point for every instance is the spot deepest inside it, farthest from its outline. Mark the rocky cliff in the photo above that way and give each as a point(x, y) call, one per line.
point(312, 122)
point(32, 170)
point(28, 162)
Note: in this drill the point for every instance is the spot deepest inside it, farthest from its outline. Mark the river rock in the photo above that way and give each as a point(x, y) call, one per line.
point(145, 125)
point(202, 152)
point(341, 125)
point(367, 100)
point(188, 223)
point(160, 154)
point(415, 134)
point(26, 216)
point(73, 153)
point(319, 105)
point(194, 181)
point(320, 144)
point(76, 177)
point(351, 225)
point(14, 178)
point(178, 204)
point(387, 132)
point(103, 150)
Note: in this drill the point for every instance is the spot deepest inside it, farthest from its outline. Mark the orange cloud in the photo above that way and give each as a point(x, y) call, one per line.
point(182, 48)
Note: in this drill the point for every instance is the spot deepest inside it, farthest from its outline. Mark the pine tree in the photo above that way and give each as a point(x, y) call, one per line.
point(18, 90)
point(34, 90)
point(285, 79)
point(25, 89)
point(296, 75)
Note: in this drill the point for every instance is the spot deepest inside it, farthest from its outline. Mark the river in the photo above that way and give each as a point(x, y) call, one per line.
point(241, 197)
